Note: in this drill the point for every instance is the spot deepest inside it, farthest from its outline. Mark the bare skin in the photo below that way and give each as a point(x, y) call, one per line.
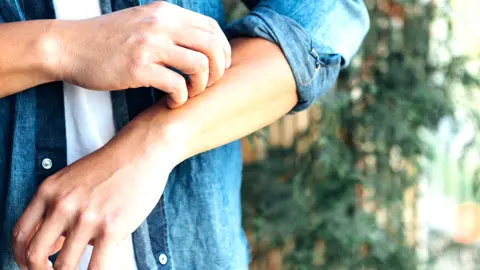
point(103, 197)
point(126, 49)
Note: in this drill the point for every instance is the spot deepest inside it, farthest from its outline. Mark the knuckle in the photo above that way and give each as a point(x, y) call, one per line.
point(200, 63)
point(150, 22)
point(88, 217)
point(33, 256)
point(160, 10)
point(143, 39)
point(158, 4)
point(212, 25)
point(45, 191)
point(141, 58)
point(65, 206)
point(215, 44)
point(18, 234)
point(137, 62)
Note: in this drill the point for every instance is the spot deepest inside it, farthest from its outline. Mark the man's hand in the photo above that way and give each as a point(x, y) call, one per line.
point(133, 48)
point(105, 196)
point(100, 199)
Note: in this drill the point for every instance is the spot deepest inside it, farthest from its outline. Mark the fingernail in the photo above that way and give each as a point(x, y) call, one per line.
point(229, 63)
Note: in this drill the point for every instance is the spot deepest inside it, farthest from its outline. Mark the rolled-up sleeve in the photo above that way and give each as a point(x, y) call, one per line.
point(317, 37)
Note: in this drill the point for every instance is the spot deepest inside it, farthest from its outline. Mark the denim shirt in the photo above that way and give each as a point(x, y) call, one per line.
point(197, 222)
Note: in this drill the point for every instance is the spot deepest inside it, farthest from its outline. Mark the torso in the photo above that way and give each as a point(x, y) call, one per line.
point(196, 224)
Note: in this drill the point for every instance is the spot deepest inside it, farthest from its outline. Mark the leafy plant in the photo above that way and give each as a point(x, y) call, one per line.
point(341, 203)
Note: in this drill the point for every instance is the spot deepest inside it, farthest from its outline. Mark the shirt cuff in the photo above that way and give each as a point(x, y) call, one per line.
point(314, 65)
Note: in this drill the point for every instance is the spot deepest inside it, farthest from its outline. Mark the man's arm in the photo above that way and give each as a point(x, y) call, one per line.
point(309, 41)
point(126, 49)
point(106, 195)
point(317, 37)
point(258, 89)
point(22, 61)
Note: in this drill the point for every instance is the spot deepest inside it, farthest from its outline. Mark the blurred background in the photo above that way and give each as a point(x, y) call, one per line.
point(384, 171)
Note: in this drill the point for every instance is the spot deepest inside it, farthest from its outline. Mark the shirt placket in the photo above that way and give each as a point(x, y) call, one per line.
point(150, 239)
point(50, 139)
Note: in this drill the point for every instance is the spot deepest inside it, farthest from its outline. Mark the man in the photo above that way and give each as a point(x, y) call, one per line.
point(80, 167)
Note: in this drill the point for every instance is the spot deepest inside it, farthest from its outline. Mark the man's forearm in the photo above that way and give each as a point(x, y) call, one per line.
point(22, 59)
point(130, 48)
point(258, 89)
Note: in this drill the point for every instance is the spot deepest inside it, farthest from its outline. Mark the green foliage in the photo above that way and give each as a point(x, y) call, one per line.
point(366, 136)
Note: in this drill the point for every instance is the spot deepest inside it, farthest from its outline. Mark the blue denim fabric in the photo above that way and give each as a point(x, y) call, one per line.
point(308, 33)
point(197, 223)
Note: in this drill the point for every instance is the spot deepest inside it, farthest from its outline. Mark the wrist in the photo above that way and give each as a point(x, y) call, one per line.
point(171, 144)
point(168, 136)
point(51, 49)
point(155, 138)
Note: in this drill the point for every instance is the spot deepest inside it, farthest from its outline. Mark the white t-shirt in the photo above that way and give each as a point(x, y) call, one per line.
point(89, 120)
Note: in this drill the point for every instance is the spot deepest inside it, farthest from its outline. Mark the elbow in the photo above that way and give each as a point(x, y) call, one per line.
point(358, 28)
point(358, 25)
point(344, 28)
point(362, 17)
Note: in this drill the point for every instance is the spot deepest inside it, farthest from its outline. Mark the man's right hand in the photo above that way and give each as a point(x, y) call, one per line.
point(134, 48)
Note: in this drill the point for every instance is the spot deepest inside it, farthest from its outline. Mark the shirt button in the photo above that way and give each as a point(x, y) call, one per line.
point(47, 163)
point(162, 259)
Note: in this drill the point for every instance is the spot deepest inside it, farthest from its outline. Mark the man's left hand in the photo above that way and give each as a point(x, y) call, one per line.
point(100, 199)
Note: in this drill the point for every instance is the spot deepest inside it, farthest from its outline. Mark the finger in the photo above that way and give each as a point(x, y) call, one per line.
point(73, 247)
point(209, 25)
point(190, 62)
point(25, 228)
point(227, 49)
point(228, 52)
point(191, 19)
point(44, 241)
point(208, 44)
point(168, 81)
point(58, 245)
point(103, 255)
